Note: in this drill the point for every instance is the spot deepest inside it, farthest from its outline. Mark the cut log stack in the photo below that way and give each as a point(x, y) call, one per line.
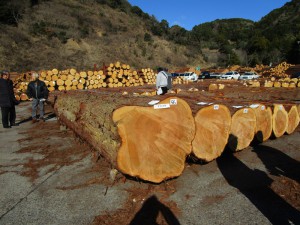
point(152, 142)
point(279, 70)
point(114, 75)
point(282, 82)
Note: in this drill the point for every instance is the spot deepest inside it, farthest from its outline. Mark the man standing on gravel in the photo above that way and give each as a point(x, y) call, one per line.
point(7, 100)
point(37, 92)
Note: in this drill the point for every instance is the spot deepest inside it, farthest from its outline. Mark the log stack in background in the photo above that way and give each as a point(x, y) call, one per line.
point(114, 75)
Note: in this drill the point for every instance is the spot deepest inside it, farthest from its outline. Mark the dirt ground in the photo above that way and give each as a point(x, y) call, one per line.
point(259, 185)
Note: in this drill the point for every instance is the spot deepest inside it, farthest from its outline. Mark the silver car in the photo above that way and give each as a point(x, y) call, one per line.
point(231, 75)
point(249, 76)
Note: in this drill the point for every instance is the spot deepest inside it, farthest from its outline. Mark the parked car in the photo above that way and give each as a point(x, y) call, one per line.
point(204, 75)
point(249, 76)
point(296, 75)
point(231, 75)
point(209, 75)
point(175, 74)
point(215, 75)
point(189, 76)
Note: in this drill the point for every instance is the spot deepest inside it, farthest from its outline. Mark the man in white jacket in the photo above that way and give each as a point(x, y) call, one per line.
point(163, 82)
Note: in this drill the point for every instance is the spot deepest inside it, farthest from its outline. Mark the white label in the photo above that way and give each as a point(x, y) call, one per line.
point(280, 107)
point(216, 107)
point(173, 101)
point(245, 110)
point(161, 106)
point(153, 102)
point(263, 107)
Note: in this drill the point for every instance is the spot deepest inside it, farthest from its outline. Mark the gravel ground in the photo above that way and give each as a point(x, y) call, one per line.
point(49, 176)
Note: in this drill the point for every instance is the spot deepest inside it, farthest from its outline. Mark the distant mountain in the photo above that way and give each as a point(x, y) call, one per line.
point(46, 34)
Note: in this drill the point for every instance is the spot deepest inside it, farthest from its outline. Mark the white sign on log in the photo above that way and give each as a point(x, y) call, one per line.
point(161, 106)
point(173, 101)
point(216, 107)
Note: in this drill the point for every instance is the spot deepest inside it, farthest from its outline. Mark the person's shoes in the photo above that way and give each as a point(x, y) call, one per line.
point(34, 120)
point(43, 119)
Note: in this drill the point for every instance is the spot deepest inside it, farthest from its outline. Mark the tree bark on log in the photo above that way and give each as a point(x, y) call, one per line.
point(212, 131)
point(280, 120)
point(243, 127)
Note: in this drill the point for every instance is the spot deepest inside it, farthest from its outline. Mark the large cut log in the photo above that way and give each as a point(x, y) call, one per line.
point(263, 122)
point(293, 121)
point(243, 127)
point(280, 120)
point(148, 143)
point(212, 132)
point(155, 142)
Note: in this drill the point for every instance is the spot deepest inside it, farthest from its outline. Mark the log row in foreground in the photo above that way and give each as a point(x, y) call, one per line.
point(152, 142)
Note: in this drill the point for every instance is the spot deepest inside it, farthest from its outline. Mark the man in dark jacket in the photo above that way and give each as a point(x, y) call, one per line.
point(37, 92)
point(7, 100)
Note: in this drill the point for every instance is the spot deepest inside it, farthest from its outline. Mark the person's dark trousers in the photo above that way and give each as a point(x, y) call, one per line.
point(12, 116)
point(164, 90)
point(8, 115)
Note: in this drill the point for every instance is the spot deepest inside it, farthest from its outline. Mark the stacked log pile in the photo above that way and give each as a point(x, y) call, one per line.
point(278, 71)
point(282, 82)
point(152, 142)
point(114, 75)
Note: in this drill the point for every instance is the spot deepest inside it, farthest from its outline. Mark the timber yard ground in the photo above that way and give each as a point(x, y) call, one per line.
point(50, 176)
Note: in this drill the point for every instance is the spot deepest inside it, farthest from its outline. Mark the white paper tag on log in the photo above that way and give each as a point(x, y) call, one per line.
point(161, 106)
point(254, 106)
point(280, 107)
point(216, 107)
point(153, 102)
point(173, 101)
point(245, 110)
point(263, 107)
point(202, 103)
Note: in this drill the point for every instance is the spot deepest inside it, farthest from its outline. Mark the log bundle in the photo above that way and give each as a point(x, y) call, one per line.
point(112, 76)
point(282, 82)
point(152, 142)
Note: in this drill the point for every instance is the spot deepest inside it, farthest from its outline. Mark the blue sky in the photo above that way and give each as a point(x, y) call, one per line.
point(189, 13)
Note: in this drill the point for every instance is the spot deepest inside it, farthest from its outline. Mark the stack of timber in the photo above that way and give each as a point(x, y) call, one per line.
point(152, 142)
point(112, 76)
point(278, 71)
point(282, 82)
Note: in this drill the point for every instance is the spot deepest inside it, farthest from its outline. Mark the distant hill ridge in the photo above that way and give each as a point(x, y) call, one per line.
point(46, 34)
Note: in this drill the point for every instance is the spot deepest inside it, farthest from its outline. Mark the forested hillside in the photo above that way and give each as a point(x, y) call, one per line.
point(46, 34)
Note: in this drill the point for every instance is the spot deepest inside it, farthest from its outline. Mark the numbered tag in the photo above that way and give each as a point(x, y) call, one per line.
point(245, 111)
point(263, 107)
point(216, 107)
point(280, 107)
point(173, 101)
point(161, 106)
